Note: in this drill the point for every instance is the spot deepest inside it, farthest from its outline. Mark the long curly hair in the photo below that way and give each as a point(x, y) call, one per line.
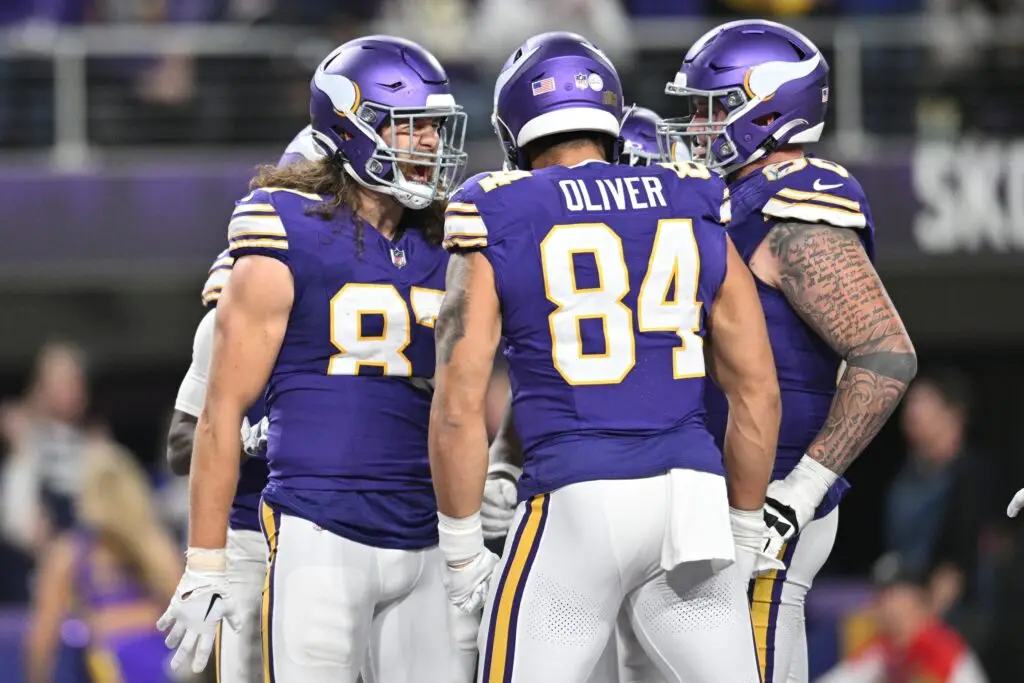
point(328, 177)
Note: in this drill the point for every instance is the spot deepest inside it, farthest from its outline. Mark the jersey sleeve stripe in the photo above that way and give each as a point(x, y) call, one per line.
point(243, 209)
point(212, 295)
point(461, 208)
point(821, 197)
point(814, 213)
point(264, 226)
point(464, 242)
point(473, 226)
point(223, 266)
point(259, 243)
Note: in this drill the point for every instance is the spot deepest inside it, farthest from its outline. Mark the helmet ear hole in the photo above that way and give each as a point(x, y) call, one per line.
point(767, 119)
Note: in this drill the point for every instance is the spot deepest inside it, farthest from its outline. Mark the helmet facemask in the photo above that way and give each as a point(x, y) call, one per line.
point(705, 131)
point(413, 176)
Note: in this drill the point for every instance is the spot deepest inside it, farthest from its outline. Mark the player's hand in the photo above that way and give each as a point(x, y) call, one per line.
point(201, 600)
point(500, 497)
point(750, 533)
point(467, 583)
point(1016, 504)
point(254, 438)
point(790, 503)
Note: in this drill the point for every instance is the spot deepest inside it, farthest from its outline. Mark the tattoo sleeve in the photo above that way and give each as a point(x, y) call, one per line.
point(826, 276)
point(466, 335)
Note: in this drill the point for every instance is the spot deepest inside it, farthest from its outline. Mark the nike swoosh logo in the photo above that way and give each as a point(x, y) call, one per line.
point(821, 188)
point(213, 601)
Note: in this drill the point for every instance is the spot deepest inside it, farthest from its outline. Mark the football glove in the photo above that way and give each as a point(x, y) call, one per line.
point(790, 503)
point(751, 536)
point(468, 564)
point(201, 600)
point(468, 584)
point(1016, 504)
point(500, 497)
point(254, 438)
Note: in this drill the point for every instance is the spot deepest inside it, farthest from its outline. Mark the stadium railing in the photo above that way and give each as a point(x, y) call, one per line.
point(64, 60)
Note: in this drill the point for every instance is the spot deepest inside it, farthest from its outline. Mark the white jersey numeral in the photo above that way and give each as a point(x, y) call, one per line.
point(349, 309)
point(667, 301)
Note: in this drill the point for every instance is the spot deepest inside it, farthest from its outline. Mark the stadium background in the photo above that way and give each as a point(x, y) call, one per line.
point(129, 127)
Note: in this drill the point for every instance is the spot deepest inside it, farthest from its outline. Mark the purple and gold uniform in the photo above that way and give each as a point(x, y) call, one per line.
point(252, 475)
point(805, 190)
point(347, 399)
point(604, 289)
point(130, 655)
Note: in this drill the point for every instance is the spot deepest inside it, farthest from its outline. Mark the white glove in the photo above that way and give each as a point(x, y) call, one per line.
point(790, 503)
point(750, 533)
point(468, 564)
point(254, 439)
point(1016, 504)
point(201, 600)
point(500, 497)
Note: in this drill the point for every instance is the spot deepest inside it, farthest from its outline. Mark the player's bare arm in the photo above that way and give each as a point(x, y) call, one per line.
point(251, 320)
point(180, 436)
point(741, 363)
point(466, 334)
point(827, 277)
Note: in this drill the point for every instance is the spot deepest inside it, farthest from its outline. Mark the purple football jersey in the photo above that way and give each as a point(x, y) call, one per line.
point(252, 476)
point(807, 190)
point(348, 398)
point(605, 275)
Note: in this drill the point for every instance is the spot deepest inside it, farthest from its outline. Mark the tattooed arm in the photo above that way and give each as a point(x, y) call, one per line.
point(826, 276)
point(466, 334)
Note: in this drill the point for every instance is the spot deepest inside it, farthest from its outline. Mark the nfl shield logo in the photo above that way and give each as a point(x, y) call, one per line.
point(398, 257)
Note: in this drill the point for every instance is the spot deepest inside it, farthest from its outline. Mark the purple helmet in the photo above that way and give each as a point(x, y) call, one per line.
point(771, 82)
point(640, 140)
point(556, 82)
point(368, 83)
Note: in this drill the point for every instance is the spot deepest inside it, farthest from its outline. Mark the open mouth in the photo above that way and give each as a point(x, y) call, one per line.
point(417, 173)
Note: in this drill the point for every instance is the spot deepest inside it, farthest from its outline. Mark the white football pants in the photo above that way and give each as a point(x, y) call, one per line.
point(333, 608)
point(238, 655)
point(777, 602)
point(777, 611)
point(575, 558)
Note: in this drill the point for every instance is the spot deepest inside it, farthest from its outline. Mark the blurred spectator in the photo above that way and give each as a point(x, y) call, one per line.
point(121, 567)
point(936, 503)
point(665, 8)
point(502, 26)
point(780, 9)
point(912, 644)
point(58, 399)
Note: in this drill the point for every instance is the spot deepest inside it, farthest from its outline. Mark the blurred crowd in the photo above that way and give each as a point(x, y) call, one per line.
point(928, 87)
point(949, 568)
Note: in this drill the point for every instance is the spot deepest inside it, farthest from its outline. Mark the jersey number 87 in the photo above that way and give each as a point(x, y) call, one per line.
point(674, 260)
point(386, 350)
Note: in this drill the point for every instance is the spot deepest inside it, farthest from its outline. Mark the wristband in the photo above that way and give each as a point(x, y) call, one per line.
point(460, 539)
point(206, 559)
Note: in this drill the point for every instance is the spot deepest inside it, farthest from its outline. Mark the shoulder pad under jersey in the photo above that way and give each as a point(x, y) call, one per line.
point(812, 190)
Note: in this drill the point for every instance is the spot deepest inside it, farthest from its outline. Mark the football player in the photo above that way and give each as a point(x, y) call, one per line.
point(337, 279)
point(606, 282)
point(237, 655)
point(640, 139)
point(758, 92)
